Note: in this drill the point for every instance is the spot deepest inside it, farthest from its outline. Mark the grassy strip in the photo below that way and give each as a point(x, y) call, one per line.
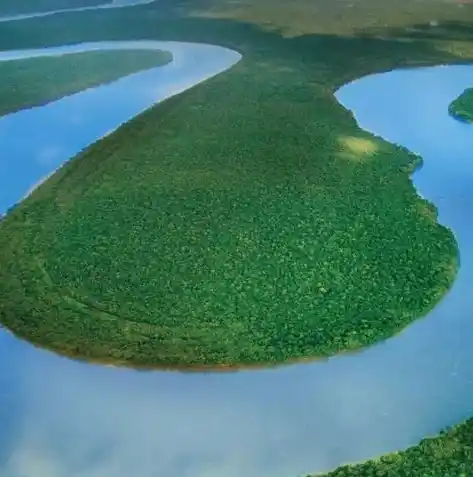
point(14, 7)
point(462, 107)
point(246, 221)
point(36, 81)
point(448, 455)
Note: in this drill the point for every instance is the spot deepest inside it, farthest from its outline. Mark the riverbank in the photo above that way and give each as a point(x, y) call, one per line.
point(450, 454)
point(37, 81)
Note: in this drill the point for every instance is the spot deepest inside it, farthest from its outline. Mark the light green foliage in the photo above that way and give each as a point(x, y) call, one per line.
point(462, 107)
point(31, 82)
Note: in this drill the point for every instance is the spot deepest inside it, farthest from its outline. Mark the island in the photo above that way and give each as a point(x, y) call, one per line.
point(462, 107)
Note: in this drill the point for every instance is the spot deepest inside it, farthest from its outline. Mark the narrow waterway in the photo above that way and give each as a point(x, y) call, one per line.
point(60, 418)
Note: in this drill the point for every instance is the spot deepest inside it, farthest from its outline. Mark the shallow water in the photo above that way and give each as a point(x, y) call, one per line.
point(60, 418)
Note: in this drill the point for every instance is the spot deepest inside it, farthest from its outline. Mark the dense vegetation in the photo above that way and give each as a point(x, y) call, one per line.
point(448, 455)
point(462, 107)
point(13, 7)
point(264, 228)
point(27, 83)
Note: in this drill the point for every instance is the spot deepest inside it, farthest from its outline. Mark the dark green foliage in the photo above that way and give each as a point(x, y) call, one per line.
point(246, 221)
point(27, 83)
point(13, 7)
point(462, 107)
point(448, 455)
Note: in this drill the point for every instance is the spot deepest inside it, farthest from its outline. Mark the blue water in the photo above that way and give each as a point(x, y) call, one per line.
point(60, 418)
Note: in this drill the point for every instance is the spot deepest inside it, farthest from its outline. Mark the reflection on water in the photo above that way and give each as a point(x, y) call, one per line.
point(61, 418)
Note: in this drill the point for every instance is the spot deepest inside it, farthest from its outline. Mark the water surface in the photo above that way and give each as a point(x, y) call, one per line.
point(60, 418)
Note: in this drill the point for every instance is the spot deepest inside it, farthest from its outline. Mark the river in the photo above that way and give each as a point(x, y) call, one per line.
point(61, 418)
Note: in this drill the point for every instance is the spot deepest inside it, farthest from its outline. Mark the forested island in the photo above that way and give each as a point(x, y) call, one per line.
point(462, 107)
